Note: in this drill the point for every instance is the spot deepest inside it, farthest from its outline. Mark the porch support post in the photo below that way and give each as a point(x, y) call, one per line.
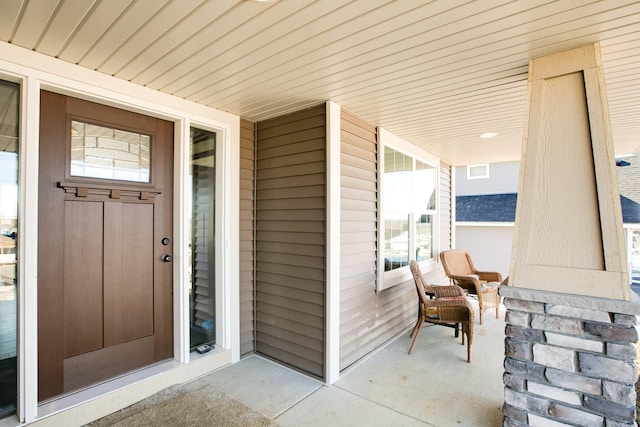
point(571, 316)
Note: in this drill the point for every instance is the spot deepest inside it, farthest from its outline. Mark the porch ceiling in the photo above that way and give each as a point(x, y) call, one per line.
point(437, 73)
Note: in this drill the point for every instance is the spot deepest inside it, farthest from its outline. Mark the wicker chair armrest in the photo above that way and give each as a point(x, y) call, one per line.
point(446, 291)
point(489, 276)
point(468, 282)
point(446, 302)
point(456, 311)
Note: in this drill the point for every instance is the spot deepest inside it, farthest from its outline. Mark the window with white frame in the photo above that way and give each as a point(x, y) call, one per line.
point(408, 214)
point(478, 171)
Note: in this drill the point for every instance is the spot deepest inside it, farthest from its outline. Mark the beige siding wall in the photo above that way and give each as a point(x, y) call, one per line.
point(247, 211)
point(358, 234)
point(290, 239)
point(369, 319)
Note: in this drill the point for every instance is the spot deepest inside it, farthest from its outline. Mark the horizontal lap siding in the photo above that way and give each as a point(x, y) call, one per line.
point(369, 319)
point(247, 167)
point(290, 239)
point(445, 208)
point(445, 213)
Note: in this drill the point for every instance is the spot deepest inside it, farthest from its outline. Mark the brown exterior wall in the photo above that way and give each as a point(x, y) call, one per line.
point(369, 319)
point(247, 213)
point(290, 239)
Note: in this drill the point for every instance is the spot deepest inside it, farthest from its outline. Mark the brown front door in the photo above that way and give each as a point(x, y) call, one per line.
point(104, 255)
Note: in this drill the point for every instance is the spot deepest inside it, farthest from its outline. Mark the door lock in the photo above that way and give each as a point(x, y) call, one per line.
point(165, 241)
point(166, 258)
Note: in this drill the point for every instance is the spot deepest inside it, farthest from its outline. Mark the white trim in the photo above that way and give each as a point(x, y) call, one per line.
point(452, 199)
point(181, 240)
point(332, 334)
point(228, 237)
point(483, 224)
point(28, 250)
point(34, 72)
point(387, 137)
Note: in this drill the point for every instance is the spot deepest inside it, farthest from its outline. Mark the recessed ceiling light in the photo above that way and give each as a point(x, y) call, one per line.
point(488, 135)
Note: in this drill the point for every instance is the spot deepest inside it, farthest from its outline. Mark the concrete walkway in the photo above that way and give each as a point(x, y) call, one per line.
point(434, 386)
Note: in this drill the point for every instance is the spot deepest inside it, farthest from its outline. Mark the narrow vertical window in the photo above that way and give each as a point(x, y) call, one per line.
point(9, 98)
point(203, 179)
point(408, 205)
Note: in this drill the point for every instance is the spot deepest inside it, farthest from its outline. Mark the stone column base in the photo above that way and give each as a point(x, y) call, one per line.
point(569, 359)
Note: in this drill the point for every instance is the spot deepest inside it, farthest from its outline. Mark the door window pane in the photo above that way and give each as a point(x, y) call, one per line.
point(202, 292)
point(102, 152)
point(9, 98)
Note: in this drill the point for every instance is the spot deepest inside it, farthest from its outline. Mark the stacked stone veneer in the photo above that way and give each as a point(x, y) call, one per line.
point(569, 360)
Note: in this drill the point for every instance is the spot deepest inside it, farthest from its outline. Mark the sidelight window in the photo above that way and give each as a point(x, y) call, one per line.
point(9, 99)
point(202, 292)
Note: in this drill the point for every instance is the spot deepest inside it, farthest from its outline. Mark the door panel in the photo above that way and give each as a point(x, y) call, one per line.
point(82, 277)
point(128, 285)
point(104, 292)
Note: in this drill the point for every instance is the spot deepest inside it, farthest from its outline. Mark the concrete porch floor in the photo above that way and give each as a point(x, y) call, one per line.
point(434, 386)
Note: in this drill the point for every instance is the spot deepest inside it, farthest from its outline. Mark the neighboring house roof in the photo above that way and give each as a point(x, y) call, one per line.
point(628, 178)
point(630, 211)
point(486, 208)
point(502, 208)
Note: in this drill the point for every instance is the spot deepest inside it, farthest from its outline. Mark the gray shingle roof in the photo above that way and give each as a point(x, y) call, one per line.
point(502, 208)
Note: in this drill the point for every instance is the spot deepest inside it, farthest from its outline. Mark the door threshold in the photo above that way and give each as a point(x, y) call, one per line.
point(79, 397)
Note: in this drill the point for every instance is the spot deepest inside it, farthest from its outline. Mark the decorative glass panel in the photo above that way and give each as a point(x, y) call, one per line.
point(101, 152)
point(9, 99)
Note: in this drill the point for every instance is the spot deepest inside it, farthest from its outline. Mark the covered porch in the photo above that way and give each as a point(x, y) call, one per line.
point(287, 130)
point(434, 386)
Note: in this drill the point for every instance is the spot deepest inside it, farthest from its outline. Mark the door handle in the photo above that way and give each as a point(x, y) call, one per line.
point(166, 258)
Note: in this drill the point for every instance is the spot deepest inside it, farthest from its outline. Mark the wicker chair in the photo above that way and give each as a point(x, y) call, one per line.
point(450, 307)
point(459, 267)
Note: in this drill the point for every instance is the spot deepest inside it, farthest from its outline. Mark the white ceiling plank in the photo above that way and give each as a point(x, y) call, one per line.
point(173, 40)
point(152, 30)
point(230, 38)
point(438, 39)
point(505, 44)
point(374, 67)
point(134, 17)
point(173, 63)
point(34, 22)
point(307, 34)
point(327, 55)
point(92, 29)
point(64, 24)
point(437, 73)
point(9, 15)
